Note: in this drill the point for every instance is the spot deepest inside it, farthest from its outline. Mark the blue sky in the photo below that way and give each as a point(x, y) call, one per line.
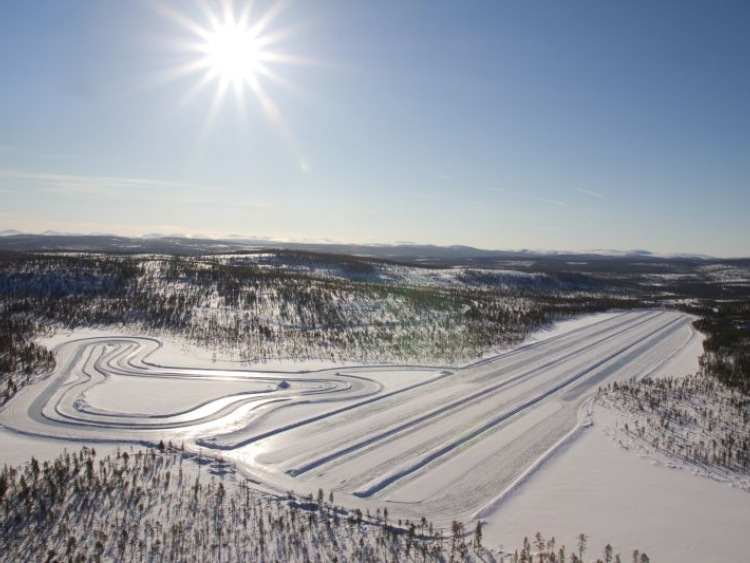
point(543, 125)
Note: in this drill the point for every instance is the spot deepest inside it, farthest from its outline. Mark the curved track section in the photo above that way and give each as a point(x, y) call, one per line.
point(60, 406)
point(416, 440)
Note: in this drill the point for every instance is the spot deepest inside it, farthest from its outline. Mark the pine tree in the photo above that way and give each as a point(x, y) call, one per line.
point(478, 535)
point(582, 539)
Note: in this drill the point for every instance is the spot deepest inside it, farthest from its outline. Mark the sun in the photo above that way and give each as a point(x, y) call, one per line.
point(232, 49)
point(238, 50)
point(234, 52)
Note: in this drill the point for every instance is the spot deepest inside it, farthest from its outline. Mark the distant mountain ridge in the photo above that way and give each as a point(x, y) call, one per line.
point(11, 240)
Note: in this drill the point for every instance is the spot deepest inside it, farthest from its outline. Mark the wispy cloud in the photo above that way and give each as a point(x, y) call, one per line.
point(441, 176)
point(63, 156)
point(553, 202)
point(101, 182)
point(146, 189)
point(592, 193)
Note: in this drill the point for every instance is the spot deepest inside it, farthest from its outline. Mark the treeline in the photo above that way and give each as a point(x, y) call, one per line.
point(257, 312)
point(727, 344)
point(541, 549)
point(696, 418)
point(20, 357)
point(157, 505)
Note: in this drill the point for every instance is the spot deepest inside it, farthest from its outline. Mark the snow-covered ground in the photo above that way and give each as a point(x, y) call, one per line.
point(508, 440)
point(614, 495)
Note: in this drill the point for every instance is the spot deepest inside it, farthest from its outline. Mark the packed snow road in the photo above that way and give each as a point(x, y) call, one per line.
point(419, 441)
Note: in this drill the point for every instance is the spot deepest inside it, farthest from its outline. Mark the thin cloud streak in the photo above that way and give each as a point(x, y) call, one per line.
point(148, 189)
point(96, 181)
point(591, 193)
point(553, 202)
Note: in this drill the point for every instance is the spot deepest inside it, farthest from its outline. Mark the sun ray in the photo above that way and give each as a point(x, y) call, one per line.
point(180, 18)
point(243, 19)
point(209, 14)
point(267, 18)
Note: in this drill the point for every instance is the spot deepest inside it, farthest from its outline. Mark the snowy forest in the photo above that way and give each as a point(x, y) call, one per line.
point(167, 504)
point(263, 306)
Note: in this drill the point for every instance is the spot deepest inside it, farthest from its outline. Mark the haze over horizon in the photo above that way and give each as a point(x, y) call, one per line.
point(503, 125)
point(319, 245)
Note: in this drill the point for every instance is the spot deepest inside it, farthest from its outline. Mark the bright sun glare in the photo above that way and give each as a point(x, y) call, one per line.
point(231, 48)
point(233, 53)
point(237, 49)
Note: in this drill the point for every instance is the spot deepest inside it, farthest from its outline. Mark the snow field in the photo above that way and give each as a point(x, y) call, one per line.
point(596, 487)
